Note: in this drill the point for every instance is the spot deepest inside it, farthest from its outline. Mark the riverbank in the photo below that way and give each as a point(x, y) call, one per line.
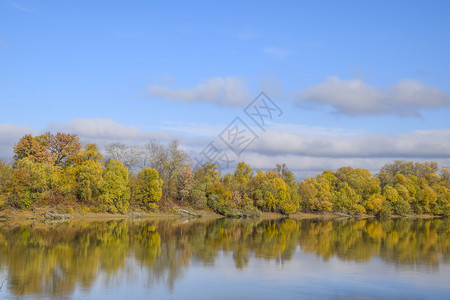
point(46, 213)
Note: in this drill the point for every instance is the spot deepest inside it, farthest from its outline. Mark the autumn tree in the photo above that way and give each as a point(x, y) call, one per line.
point(62, 147)
point(88, 180)
point(115, 189)
point(242, 176)
point(56, 149)
point(33, 148)
point(291, 185)
point(315, 195)
point(209, 186)
point(375, 204)
point(5, 183)
point(148, 188)
point(238, 184)
point(442, 203)
point(30, 180)
point(389, 170)
point(90, 152)
point(347, 200)
point(270, 193)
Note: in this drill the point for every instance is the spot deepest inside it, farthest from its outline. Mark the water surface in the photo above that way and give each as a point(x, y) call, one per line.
point(226, 259)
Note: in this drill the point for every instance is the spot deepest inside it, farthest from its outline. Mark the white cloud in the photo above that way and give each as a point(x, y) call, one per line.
point(105, 131)
point(223, 91)
point(196, 129)
point(355, 97)
point(305, 130)
point(99, 128)
point(421, 143)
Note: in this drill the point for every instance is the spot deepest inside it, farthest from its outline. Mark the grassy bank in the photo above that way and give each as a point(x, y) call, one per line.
point(40, 214)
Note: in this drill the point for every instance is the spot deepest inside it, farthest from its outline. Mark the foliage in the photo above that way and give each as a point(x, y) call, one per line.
point(148, 188)
point(115, 189)
point(88, 180)
point(56, 149)
point(198, 198)
point(30, 180)
point(52, 168)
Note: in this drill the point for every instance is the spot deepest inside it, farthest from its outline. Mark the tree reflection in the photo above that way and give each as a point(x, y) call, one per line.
point(53, 259)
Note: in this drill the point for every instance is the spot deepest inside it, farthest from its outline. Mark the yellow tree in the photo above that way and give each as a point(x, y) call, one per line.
point(374, 204)
point(5, 182)
point(30, 181)
point(308, 194)
point(89, 180)
point(347, 200)
point(115, 189)
point(89, 152)
point(148, 188)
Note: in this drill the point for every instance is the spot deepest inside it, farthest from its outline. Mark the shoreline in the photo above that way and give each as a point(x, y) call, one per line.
point(40, 215)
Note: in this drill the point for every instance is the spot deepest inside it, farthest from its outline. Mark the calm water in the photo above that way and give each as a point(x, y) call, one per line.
point(226, 259)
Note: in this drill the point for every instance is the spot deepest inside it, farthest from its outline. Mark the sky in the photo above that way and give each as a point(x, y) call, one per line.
point(345, 83)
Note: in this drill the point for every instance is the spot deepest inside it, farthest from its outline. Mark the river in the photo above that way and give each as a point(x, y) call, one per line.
point(226, 259)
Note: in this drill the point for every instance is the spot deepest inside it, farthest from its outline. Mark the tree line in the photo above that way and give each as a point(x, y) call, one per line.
point(55, 170)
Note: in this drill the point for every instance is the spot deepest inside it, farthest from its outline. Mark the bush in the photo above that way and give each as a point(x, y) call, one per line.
point(198, 199)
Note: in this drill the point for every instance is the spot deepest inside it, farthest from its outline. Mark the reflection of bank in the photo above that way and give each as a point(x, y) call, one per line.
point(54, 259)
point(2, 281)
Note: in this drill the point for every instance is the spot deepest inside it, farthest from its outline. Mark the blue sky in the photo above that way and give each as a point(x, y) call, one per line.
point(360, 83)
